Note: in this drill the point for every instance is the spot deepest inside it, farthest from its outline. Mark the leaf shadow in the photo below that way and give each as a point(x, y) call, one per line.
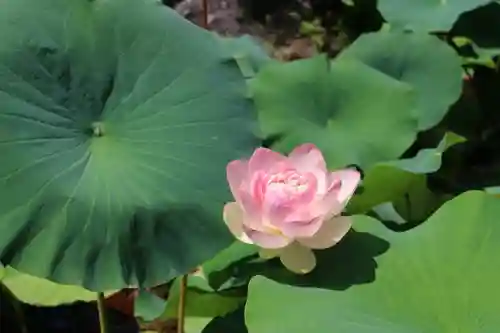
point(351, 262)
point(236, 274)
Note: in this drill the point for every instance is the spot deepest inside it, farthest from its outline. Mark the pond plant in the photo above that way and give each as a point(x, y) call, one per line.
point(353, 194)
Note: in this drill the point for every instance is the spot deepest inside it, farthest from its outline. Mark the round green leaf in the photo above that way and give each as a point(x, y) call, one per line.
point(429, 15)
point(345, 107)
point(441, 276)
point(417, 59)
point(117, 119)
point(41, 292)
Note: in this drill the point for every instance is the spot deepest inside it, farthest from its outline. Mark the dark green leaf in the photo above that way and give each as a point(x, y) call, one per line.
point(117, 121)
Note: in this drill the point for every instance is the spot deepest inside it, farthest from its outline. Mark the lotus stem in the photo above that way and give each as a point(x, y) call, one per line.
point(101, 308)
point(205, 13)
point(181, 311)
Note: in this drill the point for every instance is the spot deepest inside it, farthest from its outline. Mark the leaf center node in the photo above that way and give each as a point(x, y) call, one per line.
point(97, 129)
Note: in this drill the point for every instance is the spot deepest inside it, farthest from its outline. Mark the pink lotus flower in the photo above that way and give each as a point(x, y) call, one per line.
point(289, 205)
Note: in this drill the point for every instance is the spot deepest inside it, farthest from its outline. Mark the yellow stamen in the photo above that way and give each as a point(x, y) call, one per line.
point(270, 229)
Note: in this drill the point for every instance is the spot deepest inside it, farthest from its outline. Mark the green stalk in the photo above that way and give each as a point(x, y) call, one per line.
point(181, 310)
point(101, 308)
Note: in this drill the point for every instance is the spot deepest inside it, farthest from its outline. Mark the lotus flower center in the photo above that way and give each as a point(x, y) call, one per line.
point(285, 186)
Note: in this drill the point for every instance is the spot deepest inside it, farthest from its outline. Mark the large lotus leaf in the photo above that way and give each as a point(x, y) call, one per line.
point(345, 107)
point(117, 119)
point(441, 276)
point(428, 15)
point(417, 59)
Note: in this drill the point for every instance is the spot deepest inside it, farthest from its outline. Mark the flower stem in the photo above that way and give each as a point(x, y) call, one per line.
point(205, 14)
point(181, 311)
point(101, 308)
